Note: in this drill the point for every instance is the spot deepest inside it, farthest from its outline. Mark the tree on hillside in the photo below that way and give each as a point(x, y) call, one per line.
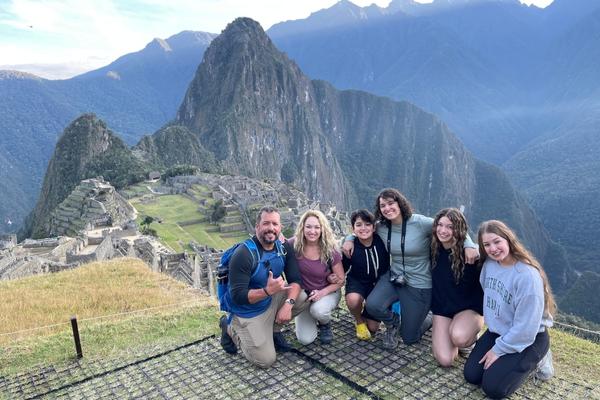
point(217, 211)
point(145, 225)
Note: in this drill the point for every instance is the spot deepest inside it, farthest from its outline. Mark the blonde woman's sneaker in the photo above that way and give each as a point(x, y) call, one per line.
point(325, 333)
point(545, 369)
point(362, 332)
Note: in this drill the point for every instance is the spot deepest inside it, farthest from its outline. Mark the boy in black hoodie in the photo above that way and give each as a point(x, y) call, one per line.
point(369, 261)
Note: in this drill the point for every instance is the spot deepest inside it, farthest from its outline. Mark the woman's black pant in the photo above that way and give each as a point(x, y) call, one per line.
point(415, 304)
point(509, 371)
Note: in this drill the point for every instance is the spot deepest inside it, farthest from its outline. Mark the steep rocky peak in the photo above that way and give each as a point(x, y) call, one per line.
point(242, 29)
point(255, 111)
point(241, 38)
point(240, 66)
point(87, 135)
point(87, 148)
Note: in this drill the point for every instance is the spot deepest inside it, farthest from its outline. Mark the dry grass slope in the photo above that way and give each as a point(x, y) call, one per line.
point(106, 298)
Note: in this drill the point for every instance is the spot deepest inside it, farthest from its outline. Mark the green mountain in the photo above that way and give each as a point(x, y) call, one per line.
point(86, 149)
point(175, 145)
point(559, 172)
point(582, 299)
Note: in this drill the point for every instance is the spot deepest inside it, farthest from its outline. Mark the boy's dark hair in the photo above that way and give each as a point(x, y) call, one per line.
point(363, 214)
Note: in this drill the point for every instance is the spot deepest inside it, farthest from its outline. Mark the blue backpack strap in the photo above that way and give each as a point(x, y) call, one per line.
point(281, 252)
point(251, 246)
point(280, 249)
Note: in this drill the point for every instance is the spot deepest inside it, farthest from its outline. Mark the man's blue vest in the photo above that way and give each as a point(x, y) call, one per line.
point(273, 261)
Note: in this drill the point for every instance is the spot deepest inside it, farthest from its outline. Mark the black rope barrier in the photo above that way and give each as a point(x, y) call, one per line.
point(592, 336)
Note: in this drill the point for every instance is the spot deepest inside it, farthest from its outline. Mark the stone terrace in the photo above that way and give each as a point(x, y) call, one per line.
point(346, 369)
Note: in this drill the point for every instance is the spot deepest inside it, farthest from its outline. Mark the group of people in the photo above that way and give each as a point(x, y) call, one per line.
point(431, 267)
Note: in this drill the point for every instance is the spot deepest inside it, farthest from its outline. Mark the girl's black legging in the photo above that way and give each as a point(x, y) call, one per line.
point(509, 371)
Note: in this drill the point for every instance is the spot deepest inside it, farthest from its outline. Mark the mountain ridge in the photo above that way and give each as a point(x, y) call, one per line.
point(263, 117)
point(136, 94)
point(539, 87)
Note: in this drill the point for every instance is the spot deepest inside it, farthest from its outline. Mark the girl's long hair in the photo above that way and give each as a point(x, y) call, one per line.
point(326, 240)
point(520, 253)
point(403, 203)
point(459, 233)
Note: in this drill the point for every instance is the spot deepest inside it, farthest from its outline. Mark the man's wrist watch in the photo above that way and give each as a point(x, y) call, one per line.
point(290, 301)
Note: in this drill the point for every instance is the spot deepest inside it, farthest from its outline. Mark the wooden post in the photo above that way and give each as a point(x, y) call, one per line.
point(76, 337)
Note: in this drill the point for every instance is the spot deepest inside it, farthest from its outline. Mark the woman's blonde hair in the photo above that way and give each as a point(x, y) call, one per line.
point(520, 253)
point(326, 240)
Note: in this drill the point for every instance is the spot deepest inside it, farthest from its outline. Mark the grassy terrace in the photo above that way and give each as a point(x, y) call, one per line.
point(173, 212)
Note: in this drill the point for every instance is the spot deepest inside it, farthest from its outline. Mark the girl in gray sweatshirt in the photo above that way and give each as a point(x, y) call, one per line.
point(517, 309)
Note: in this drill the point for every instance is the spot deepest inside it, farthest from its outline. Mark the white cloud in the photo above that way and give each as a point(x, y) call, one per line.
point(86, 31)
point(94, 32)
point(539, 3)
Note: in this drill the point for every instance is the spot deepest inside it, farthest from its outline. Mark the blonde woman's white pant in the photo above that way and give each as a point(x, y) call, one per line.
point(319, 311)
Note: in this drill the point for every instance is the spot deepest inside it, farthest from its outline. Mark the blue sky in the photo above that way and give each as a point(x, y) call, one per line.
point(61, 38)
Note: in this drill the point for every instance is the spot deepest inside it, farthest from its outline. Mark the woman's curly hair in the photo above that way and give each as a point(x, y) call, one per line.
point(459, 233)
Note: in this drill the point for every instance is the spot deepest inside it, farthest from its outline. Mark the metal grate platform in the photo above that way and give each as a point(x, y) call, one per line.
point(345, 369)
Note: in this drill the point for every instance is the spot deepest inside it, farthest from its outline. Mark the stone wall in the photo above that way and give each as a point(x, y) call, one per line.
point(67, 245)
point(7, 263)
point(124, 233)
point(179, 266)
point(205, 268)
point(145, 251)
point(104, 251)
point(45, 242)
point(28, 266)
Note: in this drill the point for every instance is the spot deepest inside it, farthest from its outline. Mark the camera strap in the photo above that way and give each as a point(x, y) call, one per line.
point(402, 241)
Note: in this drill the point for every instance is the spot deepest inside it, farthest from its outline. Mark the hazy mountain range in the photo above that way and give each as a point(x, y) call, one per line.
point(250, 110)
point(518, 85)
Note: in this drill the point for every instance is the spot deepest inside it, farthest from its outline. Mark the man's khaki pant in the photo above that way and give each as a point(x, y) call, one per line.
point(254, 336)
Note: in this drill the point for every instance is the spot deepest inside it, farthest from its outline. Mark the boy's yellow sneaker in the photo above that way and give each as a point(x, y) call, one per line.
point(362, 332)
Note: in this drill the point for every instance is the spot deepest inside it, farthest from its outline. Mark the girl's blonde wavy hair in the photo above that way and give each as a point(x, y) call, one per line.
point(326, 240)
point(520, 253)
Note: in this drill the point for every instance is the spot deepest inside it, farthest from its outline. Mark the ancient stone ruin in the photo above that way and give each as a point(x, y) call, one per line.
point(96, 223)
point(93, 203)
